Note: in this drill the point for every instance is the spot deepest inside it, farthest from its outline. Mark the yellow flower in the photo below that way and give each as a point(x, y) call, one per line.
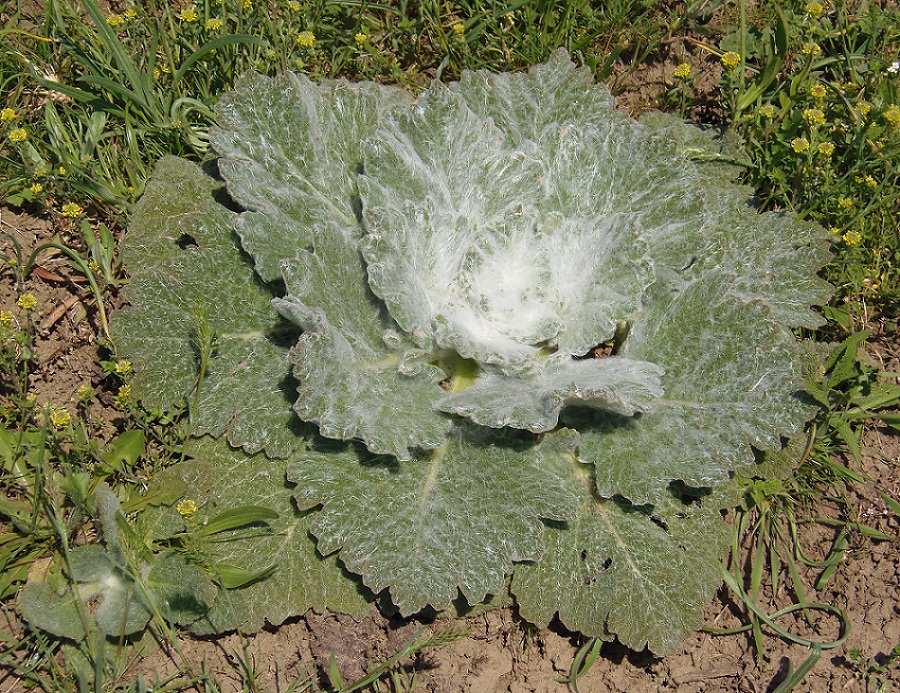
point(7, 115)
point(818, 91)
point(115, 20)
point(94, 266)
point(62, 171)
point(459, 29)
point(814, 9)
point(892, 115)
point(294, 5)
point(18, 135)
point(814, 117)
point(123, 368)
point(306, 39)
point(188, 14)
point(361, 38)
point(810, 48)
point(213, 24)
point(6, 318)
point(36, 188)
point(60, 418)
point(767, 111)
point(72, 210)
point(123, 396)
point(27, 302)
point(852, 238)
point(247, 5)
point(826, 148)
point(863, 107)
point(84, 393)
point(731, 59)
point(186, 508)
point(130, 13)
point(683, 71)
point(800, 144)
point(845, 203)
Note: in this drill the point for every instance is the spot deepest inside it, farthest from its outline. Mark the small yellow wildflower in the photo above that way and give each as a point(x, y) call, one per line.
point(818, 91)
point(294, 6)
point(800, 144)
point(188, 14)
point(94, 266)
point(852, 238)
point(123, 368)
point(186, 508)
point(361, 38)
point(845, 203)
point(18, 135)
point(213, 24)
point(869, 181)
point(814, 117)
point(60, 418)
point(7, 115)
point(36, 188)
point(115, 20)
point(130, 13)
point(27, 302)
point(826, 148)
point(810, 48)
point(815, 9)
point(6, 318)
point(123, 396)
point(62, 171)
point(767, 111)
point(731, 59)
point(892, 115)
point(71, 210)
point(306, 39)
point(683, 71)
point(84, 393)
point(247, 5)
point(459, 28)
point(863, 107)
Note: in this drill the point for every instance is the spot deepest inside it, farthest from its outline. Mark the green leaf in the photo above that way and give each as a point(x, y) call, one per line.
point(237, 517)
point(185, 260)
point(534, 400)
point(640, 573)
point(125, 450)
point(298, 170)
point(456, 519)
point(352, 353)
point(723, 396)
point(181, 591)
point(222, 477)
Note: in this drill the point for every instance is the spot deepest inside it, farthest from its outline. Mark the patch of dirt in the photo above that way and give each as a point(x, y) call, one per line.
point(67, 345)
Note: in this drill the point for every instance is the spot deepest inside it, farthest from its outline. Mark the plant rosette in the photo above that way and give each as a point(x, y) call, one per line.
point(496, 342)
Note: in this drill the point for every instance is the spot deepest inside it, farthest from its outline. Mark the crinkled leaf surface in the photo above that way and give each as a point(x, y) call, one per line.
point(355, 382)
point(534, 400)
point(226, 478)
point(643, 574)
point(453, 520)
point(290, 151)
point(723, 394)
point(183, 260)
point(462, 255)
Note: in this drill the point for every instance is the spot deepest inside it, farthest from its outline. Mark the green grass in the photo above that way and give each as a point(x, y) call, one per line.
point(91, 101)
